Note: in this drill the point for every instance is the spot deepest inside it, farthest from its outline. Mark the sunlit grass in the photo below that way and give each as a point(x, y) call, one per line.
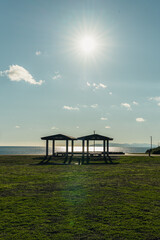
point(95, 201)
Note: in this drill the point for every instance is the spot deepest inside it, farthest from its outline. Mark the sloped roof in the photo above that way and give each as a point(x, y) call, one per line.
point(94, 137)
point(58, 137)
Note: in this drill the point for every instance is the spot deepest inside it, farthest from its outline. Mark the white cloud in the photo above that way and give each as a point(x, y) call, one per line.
point(87, 106)
point(135, 103)
point(102, 85)
point(110, 93)
point(96, 86)
point(107, 127)
point(103, 119)
point(126, 105)
point(94, 105)
point(157, 99)
point(57, 76)
point(54, 128)
point(77, 127)
point(38, 53)
point(71, 108)
point(140, 120)
point(17, 126)
point(18, 73)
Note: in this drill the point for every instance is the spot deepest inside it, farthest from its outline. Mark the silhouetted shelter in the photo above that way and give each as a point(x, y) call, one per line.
point(59, 137)
point(95, 137)
point(85, 139)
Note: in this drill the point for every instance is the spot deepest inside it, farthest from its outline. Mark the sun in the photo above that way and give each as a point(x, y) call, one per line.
point(87, 44)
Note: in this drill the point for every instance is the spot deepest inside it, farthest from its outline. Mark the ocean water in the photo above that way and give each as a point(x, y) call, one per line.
point(41, 150)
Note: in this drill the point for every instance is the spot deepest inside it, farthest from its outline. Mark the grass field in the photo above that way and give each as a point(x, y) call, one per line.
point(95, 201)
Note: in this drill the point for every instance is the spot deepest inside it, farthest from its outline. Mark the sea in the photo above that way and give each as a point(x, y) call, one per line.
point(41, 150)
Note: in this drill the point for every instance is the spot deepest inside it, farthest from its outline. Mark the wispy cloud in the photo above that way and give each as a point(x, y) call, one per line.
point(103, 119)
point(18, 73)
point(38, 53)
point(135, 103)
point(54, 128)
point(107, 127)
point(110, 93)
point(140, 119)
point(126, 105)
point(71, 108)
point(101, 85)
point(157, 99)
point(17, 126)
point(57, 76)
point(96, 86)
point(87, 106)
point(94, 105)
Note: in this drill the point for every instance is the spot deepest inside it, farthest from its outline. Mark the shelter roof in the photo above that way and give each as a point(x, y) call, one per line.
point(94, 137)
point(58, 137)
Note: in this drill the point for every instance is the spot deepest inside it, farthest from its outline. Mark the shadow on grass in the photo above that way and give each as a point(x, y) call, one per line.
point(43, 163)
point(78, 161)
point(71, 164)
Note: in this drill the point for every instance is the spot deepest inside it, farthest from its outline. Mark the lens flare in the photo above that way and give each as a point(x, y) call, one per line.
point(87, 45)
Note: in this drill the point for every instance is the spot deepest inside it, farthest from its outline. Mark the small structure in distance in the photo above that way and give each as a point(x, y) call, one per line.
point(95, 137)
point(59, 137)
point(84, 139)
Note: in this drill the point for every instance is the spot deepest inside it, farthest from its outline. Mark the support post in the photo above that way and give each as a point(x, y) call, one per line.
point(87, 151)
point(66, 157)
point(53, 147)
point(87, 148)
point(46, 148)
point(83, 143)
point(107, 148)
point(67, 148)
point(72, 147)
point(104, 148)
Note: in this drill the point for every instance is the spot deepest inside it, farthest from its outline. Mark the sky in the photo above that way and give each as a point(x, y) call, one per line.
point(74, 67)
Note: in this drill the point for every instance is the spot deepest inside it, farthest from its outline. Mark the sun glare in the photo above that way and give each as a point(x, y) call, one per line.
point(87, 45)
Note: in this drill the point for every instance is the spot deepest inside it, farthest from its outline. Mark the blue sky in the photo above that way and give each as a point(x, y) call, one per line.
point(49, 84)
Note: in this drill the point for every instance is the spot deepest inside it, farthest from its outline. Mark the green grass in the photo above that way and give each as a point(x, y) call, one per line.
point(95, 201)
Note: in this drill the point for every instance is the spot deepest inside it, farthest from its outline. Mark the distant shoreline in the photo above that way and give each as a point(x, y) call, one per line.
point(41, 150)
